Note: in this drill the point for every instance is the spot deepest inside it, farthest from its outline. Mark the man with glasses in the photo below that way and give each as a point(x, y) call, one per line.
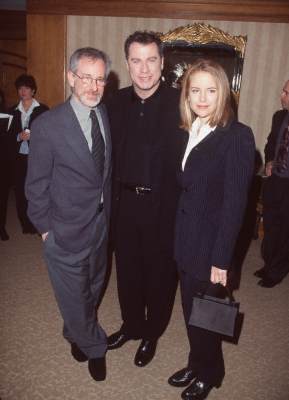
point(68, 191)
point(147, 148)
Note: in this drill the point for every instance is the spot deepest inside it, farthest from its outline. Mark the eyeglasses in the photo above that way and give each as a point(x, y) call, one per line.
point(88, 80)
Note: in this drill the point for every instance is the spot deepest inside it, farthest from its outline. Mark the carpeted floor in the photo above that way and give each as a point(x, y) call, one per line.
point(35, 362)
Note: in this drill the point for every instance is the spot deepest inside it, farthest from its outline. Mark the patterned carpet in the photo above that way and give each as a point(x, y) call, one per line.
point(35, 362)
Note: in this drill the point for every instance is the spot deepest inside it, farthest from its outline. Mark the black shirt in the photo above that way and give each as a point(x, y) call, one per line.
point(140, 128)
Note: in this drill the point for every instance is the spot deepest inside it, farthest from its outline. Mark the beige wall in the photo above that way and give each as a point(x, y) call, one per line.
point(266, 61)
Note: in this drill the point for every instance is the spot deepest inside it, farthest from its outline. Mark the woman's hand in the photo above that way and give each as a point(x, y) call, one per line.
point(218, 275)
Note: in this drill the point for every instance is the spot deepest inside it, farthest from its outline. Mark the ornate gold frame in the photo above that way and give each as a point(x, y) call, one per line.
point(203, 37)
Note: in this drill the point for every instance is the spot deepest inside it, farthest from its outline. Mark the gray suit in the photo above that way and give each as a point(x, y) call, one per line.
point(64, 193)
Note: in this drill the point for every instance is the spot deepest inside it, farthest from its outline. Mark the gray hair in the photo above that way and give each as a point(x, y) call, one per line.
point(93, 54)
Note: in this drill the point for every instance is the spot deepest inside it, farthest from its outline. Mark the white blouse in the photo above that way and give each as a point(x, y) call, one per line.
point(196, 135)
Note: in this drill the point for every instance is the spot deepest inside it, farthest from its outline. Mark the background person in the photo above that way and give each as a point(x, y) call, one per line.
point(275, 246)
point(215, 175)
point(68, 190)
point(24, 113)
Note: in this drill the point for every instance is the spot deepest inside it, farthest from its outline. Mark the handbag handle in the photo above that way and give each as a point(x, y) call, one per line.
point(228, 291)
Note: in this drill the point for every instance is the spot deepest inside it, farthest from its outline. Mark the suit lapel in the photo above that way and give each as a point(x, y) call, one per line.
point(105, 123)
point(75, 138)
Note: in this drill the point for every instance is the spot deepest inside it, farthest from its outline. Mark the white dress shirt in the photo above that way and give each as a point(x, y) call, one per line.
point(196, 135)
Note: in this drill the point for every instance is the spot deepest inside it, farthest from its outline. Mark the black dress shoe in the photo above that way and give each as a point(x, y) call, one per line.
point(3, 234)
point(97, 368)
point(78, 354)
point(145, 353)
point(267, 283)
point(197, 391)
point(260, 273)
point(182, 377)
point(117, 340)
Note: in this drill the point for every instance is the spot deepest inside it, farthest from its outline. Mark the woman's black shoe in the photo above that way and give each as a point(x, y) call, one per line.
point(3, 234)
point(198, 390)
point(182, 377)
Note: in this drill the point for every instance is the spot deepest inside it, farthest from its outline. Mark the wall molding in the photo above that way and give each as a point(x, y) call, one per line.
point(229, 10)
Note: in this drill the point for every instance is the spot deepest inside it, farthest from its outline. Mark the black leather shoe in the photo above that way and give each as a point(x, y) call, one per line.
point(117, 340)
point(97, 368)
point(197, 391)
point(78, 354)
point(145, 353)
point(3, 234)
point(182, 377)
point(267, 283)
point(260, 273)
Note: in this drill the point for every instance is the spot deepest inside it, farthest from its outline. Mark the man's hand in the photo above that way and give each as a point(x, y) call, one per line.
point(268, 168)
point(218, 276)
point(44, 236)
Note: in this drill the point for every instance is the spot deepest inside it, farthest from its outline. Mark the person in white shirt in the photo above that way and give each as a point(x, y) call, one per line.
point(24, 113)
point(214, 177)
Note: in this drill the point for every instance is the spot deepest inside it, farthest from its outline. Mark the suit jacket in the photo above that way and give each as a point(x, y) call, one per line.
point(165, 155)
point(16, 125)
point(214, 185)
point(272, 139)
point(62, 187)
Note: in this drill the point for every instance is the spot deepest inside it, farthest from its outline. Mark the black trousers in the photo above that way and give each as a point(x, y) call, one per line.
point(206, 356)
point(146, 274)
point(276, 227)
point(21, 201)
point(6, 181)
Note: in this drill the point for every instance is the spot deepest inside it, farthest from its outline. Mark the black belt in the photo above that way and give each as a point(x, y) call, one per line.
point(138, 189)
point(100, 208)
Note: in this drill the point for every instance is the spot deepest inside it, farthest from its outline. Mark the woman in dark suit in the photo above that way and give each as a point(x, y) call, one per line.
point(216, 171)
point(24, 113)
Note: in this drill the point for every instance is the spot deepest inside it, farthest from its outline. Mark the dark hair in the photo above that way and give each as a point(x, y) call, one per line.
point(93, 54)
point(144, 37)
point(26, 80)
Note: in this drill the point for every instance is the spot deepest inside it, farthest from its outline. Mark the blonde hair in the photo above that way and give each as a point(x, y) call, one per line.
point(223, 112)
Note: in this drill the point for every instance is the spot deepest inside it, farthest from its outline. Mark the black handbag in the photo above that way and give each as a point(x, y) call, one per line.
point(215, 314)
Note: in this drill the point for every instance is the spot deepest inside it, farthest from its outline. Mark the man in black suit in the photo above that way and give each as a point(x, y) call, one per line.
point(68, 190)
point(147, 146)
point(276, 198)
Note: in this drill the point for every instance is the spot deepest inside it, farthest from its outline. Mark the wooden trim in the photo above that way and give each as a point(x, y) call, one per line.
point(12, 25)
point(229, 10)
point(10, 53)
point(46, 56)
point(8, 64)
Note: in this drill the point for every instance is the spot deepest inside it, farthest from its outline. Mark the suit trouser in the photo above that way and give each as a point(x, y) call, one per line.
point(77, 280)
point(276, 227)
point(206, 356)
point(146, 275)
point(21, 201)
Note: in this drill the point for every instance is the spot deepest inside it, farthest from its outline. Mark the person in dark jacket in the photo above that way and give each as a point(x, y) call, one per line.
point(214, 177)
point(24, 113)
point(7, 158)
point(275, 244)
point(147, 146)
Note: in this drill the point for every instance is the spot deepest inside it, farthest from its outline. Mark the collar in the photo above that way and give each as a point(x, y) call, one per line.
point(80, 109)
point(155, 95)
point(198, 130)
point(30, 109)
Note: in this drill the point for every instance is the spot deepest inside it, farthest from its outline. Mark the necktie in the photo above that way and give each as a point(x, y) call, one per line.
point(282, 155)
point(98, 147)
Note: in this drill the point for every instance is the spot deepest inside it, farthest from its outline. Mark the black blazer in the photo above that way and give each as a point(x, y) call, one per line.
point(16, 125)
point(166, 152)
point(272, 139)
point(214, 186)
point(62, 187)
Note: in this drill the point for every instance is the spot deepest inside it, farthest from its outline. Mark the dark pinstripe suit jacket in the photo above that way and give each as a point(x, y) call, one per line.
point(214, 185)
